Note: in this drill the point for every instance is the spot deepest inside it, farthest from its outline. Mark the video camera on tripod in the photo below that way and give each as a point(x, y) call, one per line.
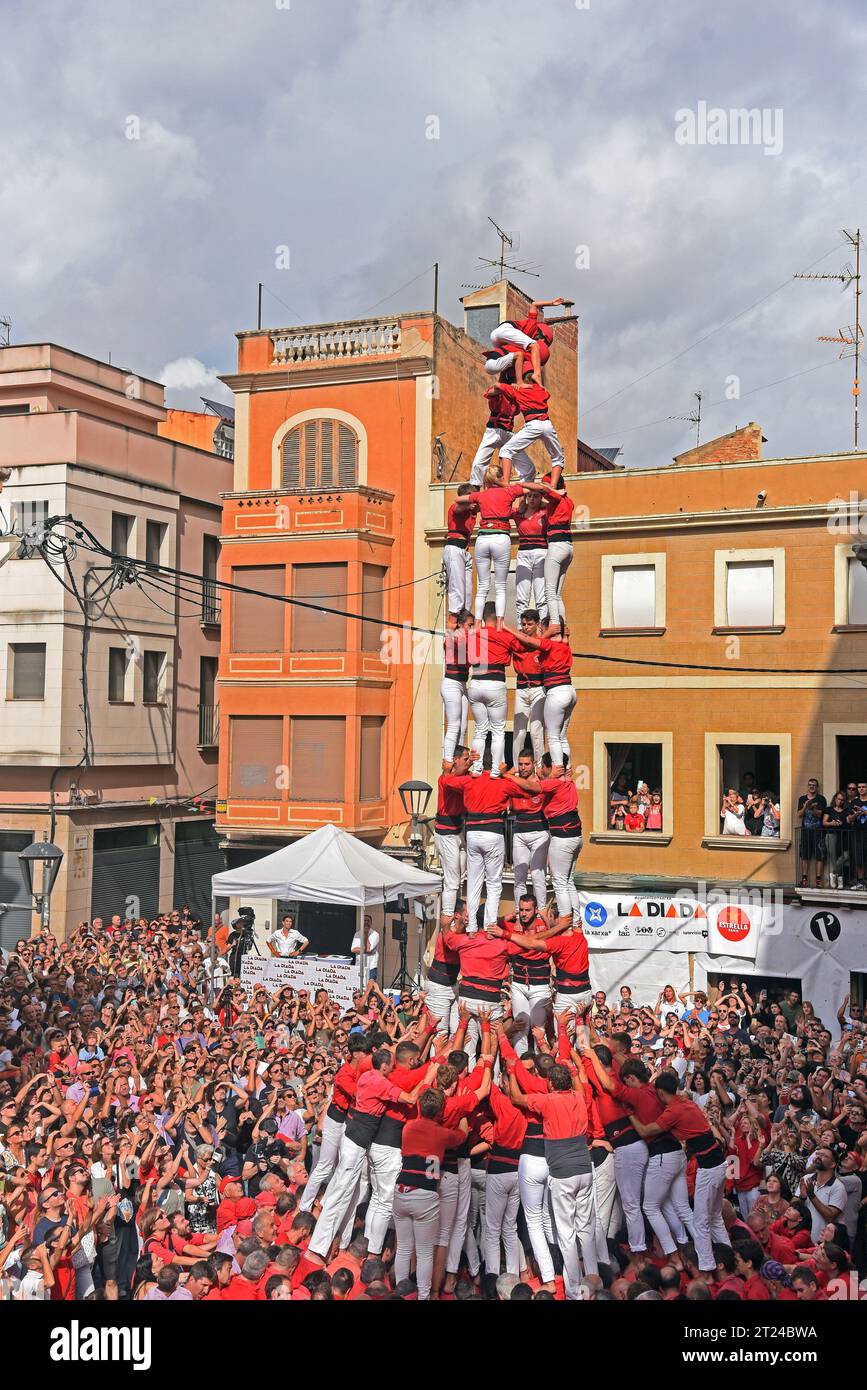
point(243, 939)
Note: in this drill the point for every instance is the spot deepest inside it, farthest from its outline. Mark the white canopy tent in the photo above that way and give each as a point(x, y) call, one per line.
point(327, 866)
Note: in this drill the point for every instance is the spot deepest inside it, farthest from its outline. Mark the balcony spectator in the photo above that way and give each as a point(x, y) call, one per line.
point(618, 818)
point(835, 829)
point(858, 812)
point(620, 794)
point(634, 820)
point(753, 812)
point(811, 809)
point(653, 815)
point(642, 792)
point(732, 814)
point(748, 786)
point(770, 816)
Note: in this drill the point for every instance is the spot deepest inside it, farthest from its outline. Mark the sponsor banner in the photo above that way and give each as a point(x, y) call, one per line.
point(339, 977)
point(683, 922)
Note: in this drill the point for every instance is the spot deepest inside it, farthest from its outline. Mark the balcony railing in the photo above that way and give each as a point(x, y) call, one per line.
point(209, 724)
point(210, 604)
point(336, 342)
point(841, 854)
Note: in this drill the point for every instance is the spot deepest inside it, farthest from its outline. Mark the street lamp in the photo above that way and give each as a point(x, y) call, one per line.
point(414, 797)
point(49, 856)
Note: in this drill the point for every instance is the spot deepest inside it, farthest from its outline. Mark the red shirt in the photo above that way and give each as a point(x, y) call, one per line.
point(488, 647)
point(756, 1290)
point(530, 399)
point(427, 1139)
point(560, 513)
point(486, 793)
point(495, 503)
point(406, 1078)
point(633, 820)
point(460, 522)
point(532, 529)
point(683, 1119)
point(346, 1081)
point(560, 794)
point(373, 1093)
point(240, 1289)
point(528, 666)
point(486, 957)
point(529, 324)
point(569, 952)
point(510, 1125)
point(555, 659)
point(564, 1113)
point(503, 411)
point(511, 924)
point(640, 1100)
point(450, 802)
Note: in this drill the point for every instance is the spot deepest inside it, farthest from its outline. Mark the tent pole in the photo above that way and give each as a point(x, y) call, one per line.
point(213, 990)
point(362, 955)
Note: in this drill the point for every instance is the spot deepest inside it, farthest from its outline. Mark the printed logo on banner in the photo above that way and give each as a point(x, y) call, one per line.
point(733, 923)
point(825, 926)
point(595, 915)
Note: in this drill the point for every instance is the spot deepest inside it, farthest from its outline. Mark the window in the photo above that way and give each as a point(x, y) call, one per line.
point(24, 515)
point(153, 678)
point(370, 759)
point(155, 537)
point(208, 715)
point(119, 666)
point(757, 768)
point(210, 592)
point(317, 759)
point(633, 593)
point(481, 322)
point(372, 606)
point(121, 533)
point(856, 612)
point(224, 440)
point(749, 590)
point(26, 679)
point(258, 619)
point(320, 454)
point(255, 757)
point(851, 761)
point(312, 629)
point(632, 776)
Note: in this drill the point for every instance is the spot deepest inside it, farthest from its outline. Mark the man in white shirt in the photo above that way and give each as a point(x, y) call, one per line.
point(369, 956)
point(824, 1193)
point(286, 941)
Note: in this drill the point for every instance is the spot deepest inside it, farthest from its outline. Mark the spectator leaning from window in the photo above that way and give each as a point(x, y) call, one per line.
point(634, 819)
point(811, 809)
point(770, 815)
point(836, 833)
point(732, 814)
point(653, 815)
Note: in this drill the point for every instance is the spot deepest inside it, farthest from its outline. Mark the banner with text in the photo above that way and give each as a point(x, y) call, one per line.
point(339, 977)
point(718, 924)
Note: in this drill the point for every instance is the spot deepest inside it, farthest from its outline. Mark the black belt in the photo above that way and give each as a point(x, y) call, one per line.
point(488, 821)
point(460, 541)
point(620, 1133)
point(448, 825)
point(534, 1142)
point(535, 414)
point(361, 1128)
point(663, 1144)
point(475, 987)
point(527, 821)
point(540, 544)
point(705, 1150)
point(503, 1160)
point(443, 973)
point(416, 1172)
point(390, 1132)
point(499, 424)
point(528, 682)
point(488, 673)
point(530, 972)
point(457, 673)
point(336, 1114)
point(565, 826)
point(574, 984)
point(559, 535)
point(554, 679)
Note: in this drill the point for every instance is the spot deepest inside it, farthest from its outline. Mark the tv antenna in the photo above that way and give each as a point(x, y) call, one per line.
point(851, 336)
point(694, 418)
point(522, 267)
point(5, 332)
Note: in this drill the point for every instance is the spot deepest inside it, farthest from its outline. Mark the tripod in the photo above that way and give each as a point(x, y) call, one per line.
point(400, 933)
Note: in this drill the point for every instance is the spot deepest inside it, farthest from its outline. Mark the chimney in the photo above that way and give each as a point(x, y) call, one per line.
point(740, 446)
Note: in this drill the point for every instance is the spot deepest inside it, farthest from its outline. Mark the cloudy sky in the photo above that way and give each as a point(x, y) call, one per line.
point(304, 124)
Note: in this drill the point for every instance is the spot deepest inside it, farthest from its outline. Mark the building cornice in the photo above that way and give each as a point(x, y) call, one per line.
point(330, 374)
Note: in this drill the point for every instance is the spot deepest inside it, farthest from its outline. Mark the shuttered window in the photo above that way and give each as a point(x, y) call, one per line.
point(372, 606)
point(118, 674)
point(258, 622)
point(750, 594)
point(312, 629)
point(153, 678)
point(317, 759)
point(633, 596)
point(857, 614)
point(27, 676)
point(255, 757)
point(370, 759)
point(320, 454)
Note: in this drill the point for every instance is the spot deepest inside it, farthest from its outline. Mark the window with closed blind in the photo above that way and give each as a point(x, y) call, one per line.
point(255, 757)
point(370, 759)
point(258, 619)
point(317, 759)
point(750, 594)
point(320, 454)
point(372, 606)
point(633, 596)
point(26, 679)
point(312, 629)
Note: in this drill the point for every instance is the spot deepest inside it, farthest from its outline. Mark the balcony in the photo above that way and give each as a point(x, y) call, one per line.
point(359, 512)
point(209, 726)
point(335, 342)
point(210, 604)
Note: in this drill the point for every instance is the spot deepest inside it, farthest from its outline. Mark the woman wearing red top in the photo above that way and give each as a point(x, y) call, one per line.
point(559, 557)
point(531, 522)
point(494, 541)
point(747, 1146)
point(457, 560)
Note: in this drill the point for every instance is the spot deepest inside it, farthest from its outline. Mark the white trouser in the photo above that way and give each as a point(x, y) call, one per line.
point(563, 851)
point(707, 1214)
point(560, 701)
point(493, 548)
point(507, 335)
point(530, 1005)
point(747, 1200)
point(458, 565)
point(489, 704)
point(385, 1162)
point(486, 852)
point(453, 862)
point(605, 1198)
point(630, 1161)
point(530, 579)
point(529, 715)
point(475, 1219)
point(557, 561)
point(666, 1199)
point(416, 1221)
point(462, 1214)
point(340, 1196)
point(442, 1004)
point(449, 1192)
point(502, 1200)
point(329, 1149)
point(492, 440)
point(575, 1215)
point(455, 708)
point(472, 1006)
point(569, 999)
point(515, 449)
point(533, 1189)
point(529, 860)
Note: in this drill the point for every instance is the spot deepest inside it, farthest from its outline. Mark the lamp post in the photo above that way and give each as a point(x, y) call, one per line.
point(49, 856)
point(414, 797)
